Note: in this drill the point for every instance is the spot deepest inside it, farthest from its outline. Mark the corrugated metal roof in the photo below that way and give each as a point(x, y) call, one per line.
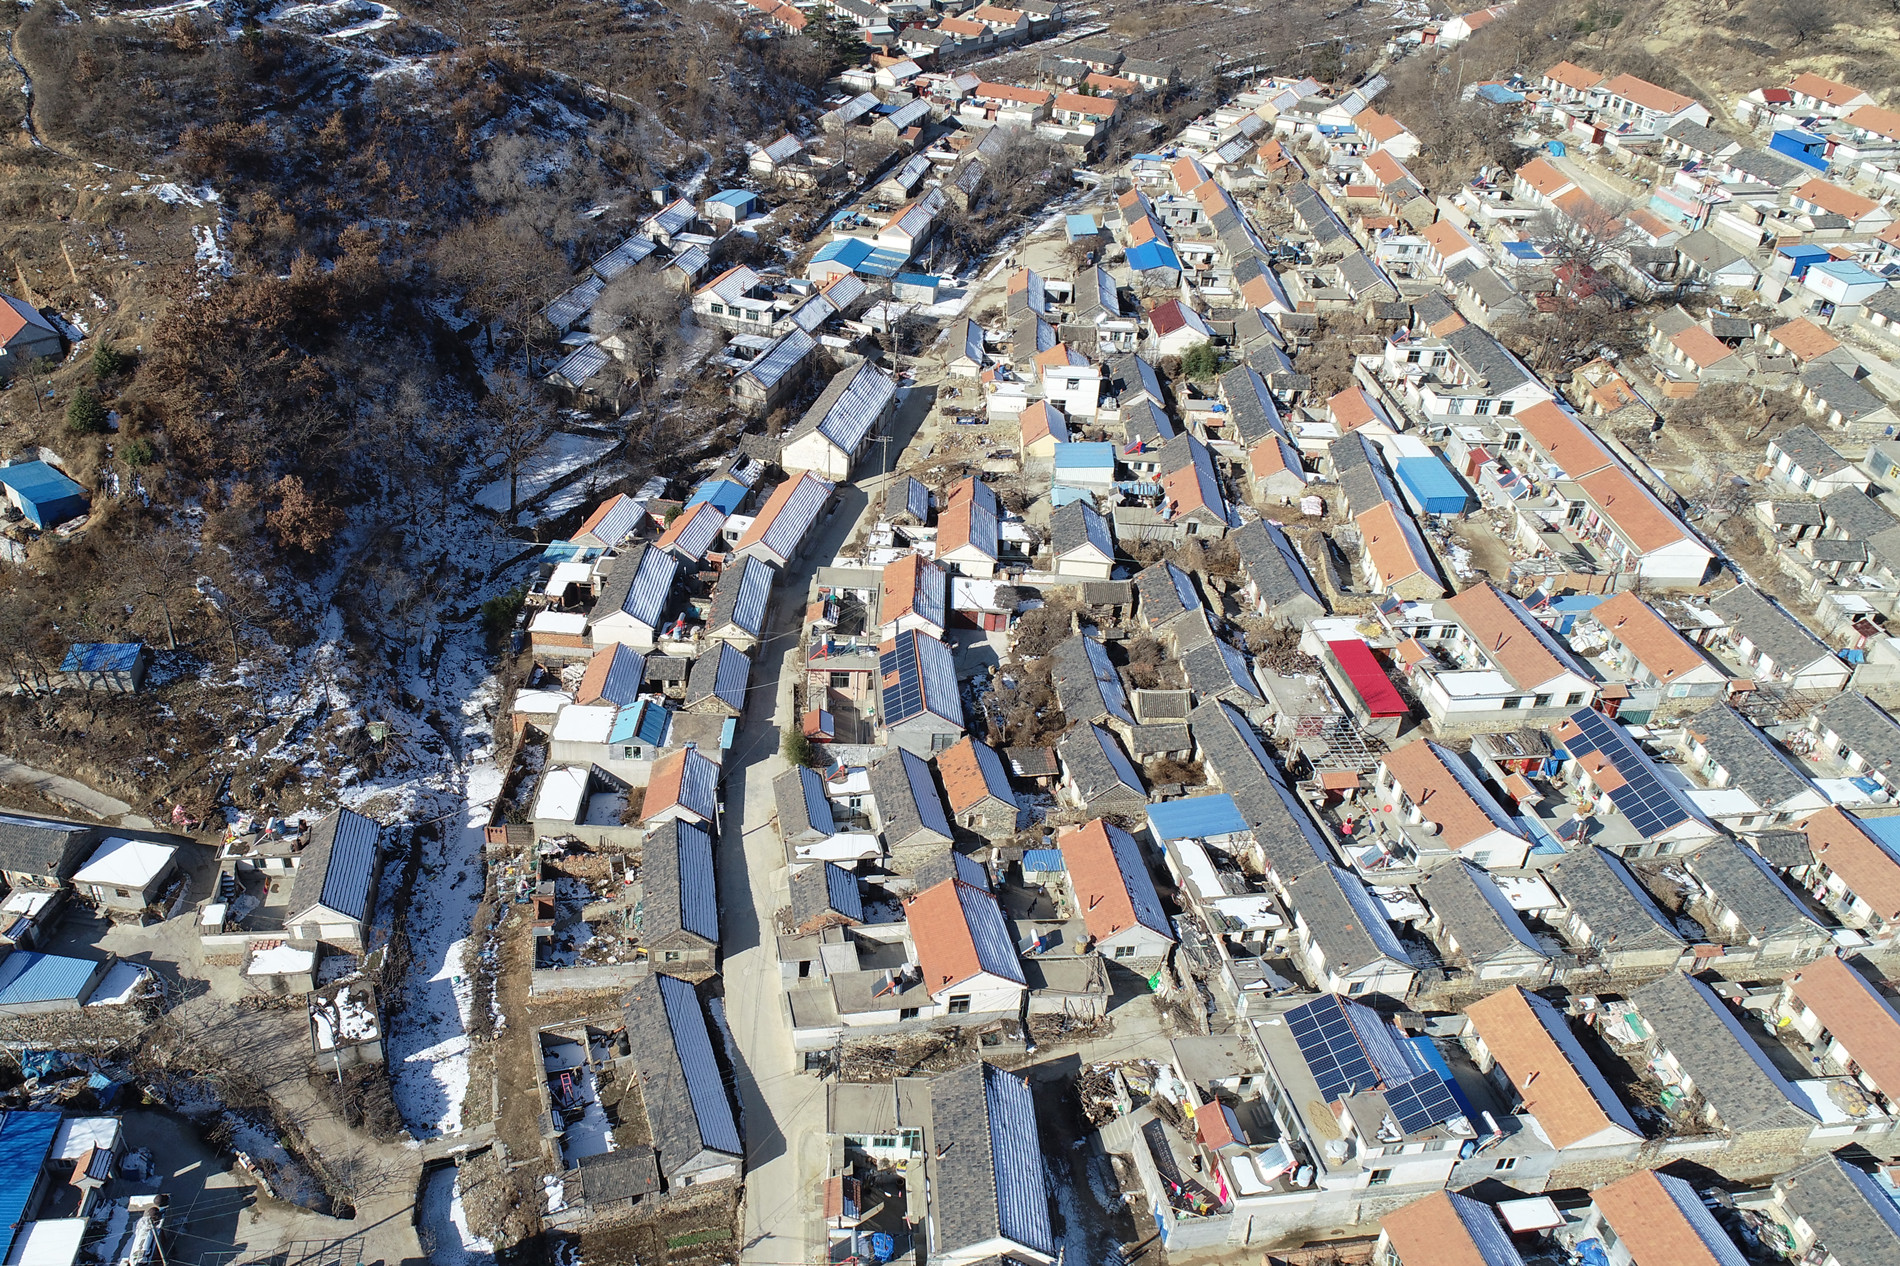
point(693, 533)
point(670, 218)
point(786, 531)
point(25, 1140)
point(699, 785)
point(101, 657)
point(572, 304)
point(1117, 759)
point(989, 932)
point(27, 976)
point(1022, 1202)
point(918, 674)
point(580, 365)
point(652, 583)
point(907, 115)
point(841, 890)
point(622, 257)
point(614, 520)
point(780, 359)
point(923, 790)
point(730, 285)
point(692, 261)
point(622, 676)
point(785, 147)
point(741, 596)
point(1137, 880)
point(705, 1085)
point(1195, 818)
point(698, 896)
point(1042, 860)
point(351, 867)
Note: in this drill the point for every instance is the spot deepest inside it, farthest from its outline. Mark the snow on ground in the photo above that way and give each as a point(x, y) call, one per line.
point(1086, 1236)
point(445, 1224)
point(563, 454)
point(164, 13)
point(554, 1187)
point(593, 1134)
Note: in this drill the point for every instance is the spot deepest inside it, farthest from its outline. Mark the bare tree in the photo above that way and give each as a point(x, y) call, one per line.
point(638, 317)
point(1590, 236)
point(519, 423)
point(162, 571)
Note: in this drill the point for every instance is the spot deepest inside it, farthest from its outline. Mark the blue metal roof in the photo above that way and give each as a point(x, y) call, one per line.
point(705, 1086)
point(26, 1138)
point(1523, 250)
point(1062, 494)
point(352, 865)
point(734, 197)
point(1043, 860)
point(30, 976)
point(1803, 250)
point(883, 263)
point(699, 902)
point(849, 251)
point(989, 932)
point(726, 494)
point(1195, 818)
point(1436, 488)
point(644, 722)
point(101, 657)
point(626, 671)
point(1022, 1202)
point(1085, 455)
point(918, 279)
point(47, 497)
point(841, 892)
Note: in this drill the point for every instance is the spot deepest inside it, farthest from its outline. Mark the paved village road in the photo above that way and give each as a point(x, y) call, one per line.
point(69, 794)
point(784, 1108)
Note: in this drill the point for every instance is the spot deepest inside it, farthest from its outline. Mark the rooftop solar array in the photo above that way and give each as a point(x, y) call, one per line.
point(1651, 805)
point(1350, 1049)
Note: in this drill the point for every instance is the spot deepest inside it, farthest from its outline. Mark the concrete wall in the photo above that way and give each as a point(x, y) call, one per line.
point(552, 980)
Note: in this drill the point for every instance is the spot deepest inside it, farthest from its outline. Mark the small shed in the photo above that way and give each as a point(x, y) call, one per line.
point(1432, 485)
point(1080, 227)
point(1803, 146)
point(733, 205)
point(124, 875)
point(44, 494)
point(1801, 257)
point(1040, 865)
point(915, 288)
point(112, 666)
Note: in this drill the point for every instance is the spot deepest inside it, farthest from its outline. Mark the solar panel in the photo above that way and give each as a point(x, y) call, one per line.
point(1421, 1103)
point(903, 681)
point(1651, 805)
point(1333, 1052)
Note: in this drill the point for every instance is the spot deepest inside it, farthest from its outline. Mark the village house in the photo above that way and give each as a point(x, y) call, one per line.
point(985, 1197)
point(1653, 1216)
point(689, 1109)
point(1852, 874)
point(965, 956)
point(1847, 1022)
point(1440, 810)
point(1764, 786)
point(1834, 1212)
point(681, 908)
point(1477, 931)
point(977, 786)
point(1746, 907)
point(1637, 811)
point(1609, 918)
point(1774, 646)
point(918, 704)
point(1097, 774)
point(1114, 894)
point(333, 893)
point(1081, 543)
point(779, 532)
point(1532, 1056)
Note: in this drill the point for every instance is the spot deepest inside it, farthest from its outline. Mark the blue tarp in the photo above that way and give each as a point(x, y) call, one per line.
point(1150, 255)
point(1062, 494)
point(1432, 485)
point(1195, 818)
point(102, 657)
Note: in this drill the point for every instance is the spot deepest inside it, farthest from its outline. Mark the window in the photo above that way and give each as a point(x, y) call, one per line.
point(959, 1004)
point(630, 752)
point(1121, 951)
point(122, 892)
point(1191, 527)
point(1505, 407)
point(1575, 698)
point(1483, 407)
point(804, 969)
point(841, 681)
point(1356, 988)
point(1542, 701)
point(1505, 1162)
point(907, 1013)
point(1379, 1178)
point(943, 742)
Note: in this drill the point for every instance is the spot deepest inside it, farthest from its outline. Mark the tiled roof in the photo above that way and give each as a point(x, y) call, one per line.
point(740, 596)
point(1871, 873)
point(908, 802)
point(1447, 792)
point(1771, 629)
point(638, 584)
point(688, 1108)
point(720, 673)
point(1731, 1072)
point(1548, 1067)
point(1743, 885)
point(1661, 1221)
point(1087, 686)
point(1832, 198)
point(1828, 91)
point(1755, 764)
point(1857, 1014)
point(1093, 759)
point(1868, 730)
point(691, 534)
point(1632, 509)
point(1854, 1218)
point(1804, 339)
point(1111, 881)
point(1810, 452)
point(787, 515)
point(973, 772)
point(1466, 903)
point(677, 870)
point(1648, 637)
point(1519, 646)
point(685, 778)
point(1447, 1229)
point(614, 675)
point(913, 585)
point(1618, 911)
point(987, 1172)
point(959, 931)
point(1648, 95)
point(1571, 75)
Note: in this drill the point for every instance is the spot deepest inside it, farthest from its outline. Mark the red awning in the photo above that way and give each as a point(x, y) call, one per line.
point(1362, 669)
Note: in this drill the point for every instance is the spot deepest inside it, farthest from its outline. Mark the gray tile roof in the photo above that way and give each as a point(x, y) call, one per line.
point(1080, 524)
point(1709, 252)
point(986, 1161)
point(1743, 884)
point(1840, 393)
point(1216, 670)
point(1731, 1072)
point(1087, 686)
point(1856, 515)
point(1783, 638)
point(1149, 740)
point(1104, 777)
point(908, 802)
point(1810, 452)
point(907, 496)
point(337, 868)
point(1885, 302)
point(1467, 903)
point(1269, 560)
point(1166, 593)
point(1251, 409)
point(32, 845)
point(803, 807)
point(826, 888)
point(1343, 919)
point(1317, 218)
point(676, 871)
point(1488, 358)
point(1755, 763)
point(720, 675)
point(1855, 1221)
point(1365, 279)
point(1768, 167)
point(688, 1109)
point(740, 597)
point(848, 408)
point(1864, 726)
point(1612, 902)
point(1247, 771)
point(626, 1173)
